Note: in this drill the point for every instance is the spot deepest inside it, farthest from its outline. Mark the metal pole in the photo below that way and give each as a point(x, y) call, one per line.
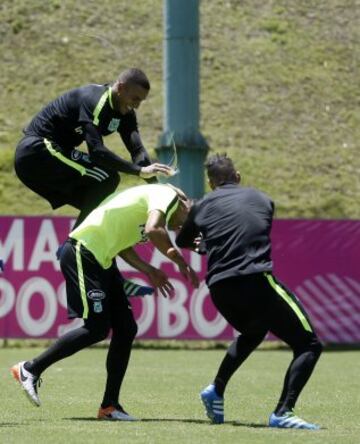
point(181, 106)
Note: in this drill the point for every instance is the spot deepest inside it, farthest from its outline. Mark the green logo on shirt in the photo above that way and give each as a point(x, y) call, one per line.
point(114, 125)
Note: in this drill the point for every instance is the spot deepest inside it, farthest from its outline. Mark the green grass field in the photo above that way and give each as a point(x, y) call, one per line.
point(161, 389)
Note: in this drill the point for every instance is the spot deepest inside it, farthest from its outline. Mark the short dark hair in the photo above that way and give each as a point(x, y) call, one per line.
point(220, 169)
point(135, 76)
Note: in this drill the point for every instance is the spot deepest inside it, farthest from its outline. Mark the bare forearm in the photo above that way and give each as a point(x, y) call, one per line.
point(155, 229)
point(131, 257)
point(162, 242)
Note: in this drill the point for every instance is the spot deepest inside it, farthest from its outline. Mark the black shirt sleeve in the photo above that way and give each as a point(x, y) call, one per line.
point(102, 156)
point(189, 231)
point(129, 132)
point(141, 157)
point(86, 106)
point(130, 135)
point(138, 152)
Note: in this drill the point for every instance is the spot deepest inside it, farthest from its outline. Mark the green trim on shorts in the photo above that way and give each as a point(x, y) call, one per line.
point(288, 299)
point(80, 273)
point(100, 105)
point(82, 170)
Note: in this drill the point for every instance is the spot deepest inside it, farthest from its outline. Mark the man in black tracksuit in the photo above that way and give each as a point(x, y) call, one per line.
point(235, 223)
point(47, 160)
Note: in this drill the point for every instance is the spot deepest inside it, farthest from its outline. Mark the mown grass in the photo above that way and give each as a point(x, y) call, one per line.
point(279, 88)
point(161, 390)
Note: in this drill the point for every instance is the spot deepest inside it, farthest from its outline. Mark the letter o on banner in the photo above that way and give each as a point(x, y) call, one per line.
point(69, 325)
point(31, 326)
point(7, 297)
point(207, 329)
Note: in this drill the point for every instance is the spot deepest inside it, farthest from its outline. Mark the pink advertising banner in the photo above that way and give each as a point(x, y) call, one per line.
point(317, 259)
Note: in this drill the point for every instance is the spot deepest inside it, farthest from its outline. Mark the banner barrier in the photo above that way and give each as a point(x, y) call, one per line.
point(316, 259)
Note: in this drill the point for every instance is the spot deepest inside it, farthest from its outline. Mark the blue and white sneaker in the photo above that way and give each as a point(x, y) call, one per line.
point(214, 404)
point(290, 421)
point(132, 290)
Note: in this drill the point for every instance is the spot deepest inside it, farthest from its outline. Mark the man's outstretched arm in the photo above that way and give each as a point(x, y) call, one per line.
point(102, 156)
point(157, 277)
point(155, 228)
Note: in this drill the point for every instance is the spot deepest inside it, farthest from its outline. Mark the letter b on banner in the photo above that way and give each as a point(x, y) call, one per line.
point(173, 308)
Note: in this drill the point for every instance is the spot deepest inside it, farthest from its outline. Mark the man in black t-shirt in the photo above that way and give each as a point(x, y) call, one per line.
point(235, 223)
point(48, 162)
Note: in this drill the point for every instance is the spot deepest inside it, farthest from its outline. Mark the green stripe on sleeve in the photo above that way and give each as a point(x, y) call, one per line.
point(288, 299)
point(81, 281)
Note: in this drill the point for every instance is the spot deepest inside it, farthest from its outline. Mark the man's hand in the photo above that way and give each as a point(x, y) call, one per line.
point(185, 269)
point(189, 274)
point(199, 245)
point(155, 169)
point(160, 281)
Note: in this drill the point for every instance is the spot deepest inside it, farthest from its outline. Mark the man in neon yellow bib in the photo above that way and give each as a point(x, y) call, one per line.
point(120, 221)
point(94, 286)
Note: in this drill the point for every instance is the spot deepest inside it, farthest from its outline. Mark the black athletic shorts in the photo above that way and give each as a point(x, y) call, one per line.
point(62, 178)
point(258, 303)
point(92, 292)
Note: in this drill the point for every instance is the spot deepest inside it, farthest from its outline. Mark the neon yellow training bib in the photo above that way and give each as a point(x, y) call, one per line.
point(119, 221)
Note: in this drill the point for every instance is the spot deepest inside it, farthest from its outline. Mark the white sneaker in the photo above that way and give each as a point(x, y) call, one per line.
point(28, 382)
point(114, 414)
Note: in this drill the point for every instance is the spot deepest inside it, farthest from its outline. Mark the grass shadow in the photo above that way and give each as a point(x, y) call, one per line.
point(182, 420)
point(22, 424)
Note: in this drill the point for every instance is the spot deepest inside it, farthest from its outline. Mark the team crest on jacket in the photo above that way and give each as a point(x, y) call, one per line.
point(98, 308)
point(114, 125)
point(76, 154)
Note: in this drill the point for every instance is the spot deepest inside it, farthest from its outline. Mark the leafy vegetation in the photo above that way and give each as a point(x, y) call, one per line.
point(279, 88)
